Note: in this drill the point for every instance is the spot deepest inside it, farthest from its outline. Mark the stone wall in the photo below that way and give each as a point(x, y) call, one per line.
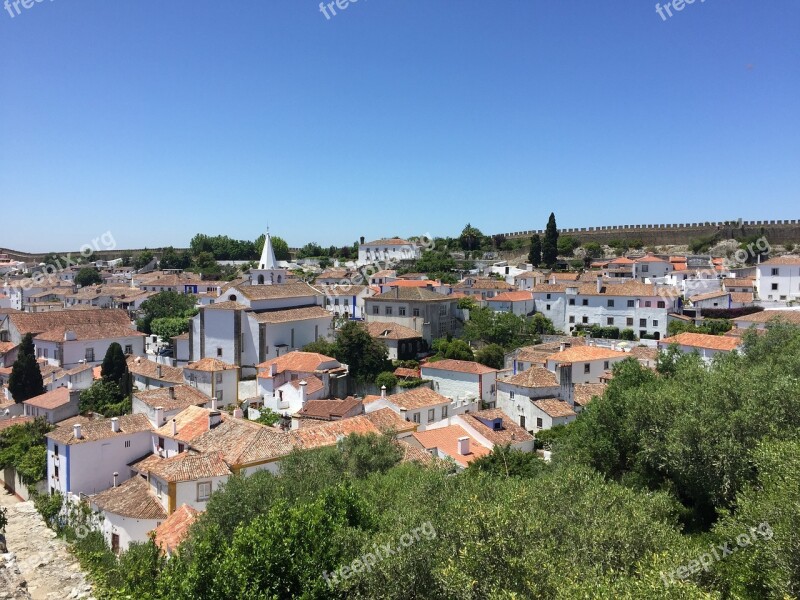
point(777, 232)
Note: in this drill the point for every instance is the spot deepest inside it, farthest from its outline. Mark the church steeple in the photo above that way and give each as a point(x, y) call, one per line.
point(268, 271)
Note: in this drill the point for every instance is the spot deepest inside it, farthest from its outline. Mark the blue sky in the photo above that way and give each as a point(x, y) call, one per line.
point(158, 120)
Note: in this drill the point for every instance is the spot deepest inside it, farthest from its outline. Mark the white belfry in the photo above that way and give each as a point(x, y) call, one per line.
point(268, 271)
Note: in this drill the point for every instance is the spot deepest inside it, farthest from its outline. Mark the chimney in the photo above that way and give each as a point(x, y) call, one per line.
point(115, 474)
point(565, 382)
point(158, 370)
point(115, 425)
point(174, 427)
point(562, 346)
point(76, 431)
point(273, 369)
point(159, 416)
point(238, 413)
point(403, 413)
point(303, 385)
point(172, 393)
point(463, 446)
point(214, 403)
point(214, 419)
point(383, 391)
point(599, 284)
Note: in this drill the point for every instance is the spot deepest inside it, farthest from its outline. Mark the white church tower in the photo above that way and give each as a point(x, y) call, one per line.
point(268, 271)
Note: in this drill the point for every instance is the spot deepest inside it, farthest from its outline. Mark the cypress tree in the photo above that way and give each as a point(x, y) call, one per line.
point(550, 243)
point(535, 255)
point(26, 378)
point(115, 368)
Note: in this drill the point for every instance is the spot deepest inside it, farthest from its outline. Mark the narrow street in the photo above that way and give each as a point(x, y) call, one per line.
point(43, 560)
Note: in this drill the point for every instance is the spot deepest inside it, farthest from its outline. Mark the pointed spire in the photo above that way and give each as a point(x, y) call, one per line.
point(267, 255)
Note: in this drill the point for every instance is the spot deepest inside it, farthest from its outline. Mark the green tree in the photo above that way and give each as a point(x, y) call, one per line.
point(453, 349)
point(105, 398)
point(366, 357)
point(567, 245)
point(26, 380)
point(593, 250)
point(322, 346)
point(492, 356)
point(169, 327)
point(114, 369)
point(535, 254)
point(166, 305)
point(470, 238)
point(388, 379)
point(88, 276)
point(172, 259)
point(22, 447)
point(142, 259)
point(504, 461)
point(550, 243)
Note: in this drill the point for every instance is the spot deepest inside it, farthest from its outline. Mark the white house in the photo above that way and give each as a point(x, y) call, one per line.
point(518, 303)
point(57, 405)
point(148, 374)
point(452, 442)
point(549, 412)
point(587, 364)
point(346, 301)
point(279, 380)
point(74, 345)
point(421, 406)
point(402, 342)
point(387, 250)
point(651, 267)
point(761, 320)
point(465, 383)
point(214, 378)
point(778, 279)
point(491, 428)
point(83, 457)
point(625, 305)
point(516, 395)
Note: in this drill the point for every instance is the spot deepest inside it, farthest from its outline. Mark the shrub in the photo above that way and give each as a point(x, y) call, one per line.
point(627, 334)
point(388, 379)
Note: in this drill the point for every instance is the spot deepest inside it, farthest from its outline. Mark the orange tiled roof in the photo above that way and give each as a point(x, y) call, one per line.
point(460, 366)
point(189, 467)
point(211, 365)
point(50, 400)
point(512, 297)
point(703, 340)
point(585, 353)
point(100, 429)
point(446, 440)
point(554, 408)
point(300, 362)
point(584, 392)
point(421, 397)
point(169, 535)
point(391, 331)
point(765, 316)
point(511, 433)
point(131, 499)
point(788, 259)
point(535, 377)
point(172, 398)
point(313, 384)
point(388, 420)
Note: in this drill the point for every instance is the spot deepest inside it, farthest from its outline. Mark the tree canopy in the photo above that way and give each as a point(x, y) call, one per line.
point(550, 243)
point(166, 305)
point(26, 380)
point(535, 254)
point(88, 276)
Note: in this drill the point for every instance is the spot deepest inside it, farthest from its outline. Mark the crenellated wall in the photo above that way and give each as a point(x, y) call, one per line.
point(777, 232)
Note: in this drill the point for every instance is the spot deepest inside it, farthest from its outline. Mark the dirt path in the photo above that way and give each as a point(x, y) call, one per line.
point(44, 561)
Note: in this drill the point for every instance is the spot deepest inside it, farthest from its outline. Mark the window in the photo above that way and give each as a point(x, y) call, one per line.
point(44, 352)
point(90, 355)
point(522, 421)
point(605, 366)
point(631, 303)
point(218, 396)
point(572, 301)
point(415, 418)
point(585, 302)
point(127, 443)
point(642, 322)
point(159, 489)
point(774, 286)
point(443, 310)
point(539, 423)
point(585, 320)
point(444, 412)
point(661, 304)
point(376, 310)
point(160, 443)
point(548, 296)
point(648, 304)
point(655, 323)
point(415, 312)
point(611, 304)
point(548, 307)
point(219, 351)
point(645, 268)
point(572, 319)
point(587, 368)
point(775, 272)
point(219, 377)
point(388, 311)
point(203, 491)
point(128, 349)
point(431, 414)
point(401, 311)
point(511, 395)
point(55, 472)
point(55, 448)
point(610, 321)
point(336, 302)
point(629, 321)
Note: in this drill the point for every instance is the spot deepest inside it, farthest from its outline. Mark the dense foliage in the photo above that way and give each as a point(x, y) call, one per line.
point(504, 328)
point(22, 447)
point(26, 380)
point(164, 305)
point(708, 326)
point(88, 276)
point(550, 243)
point(367, 357)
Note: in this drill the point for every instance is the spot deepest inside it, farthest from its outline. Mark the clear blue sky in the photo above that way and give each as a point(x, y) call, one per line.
point(158, 120)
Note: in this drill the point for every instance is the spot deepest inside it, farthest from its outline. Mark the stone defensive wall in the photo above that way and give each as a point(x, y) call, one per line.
point(777, 232)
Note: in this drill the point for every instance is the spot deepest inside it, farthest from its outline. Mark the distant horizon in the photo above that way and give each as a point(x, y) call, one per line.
point(562, 228)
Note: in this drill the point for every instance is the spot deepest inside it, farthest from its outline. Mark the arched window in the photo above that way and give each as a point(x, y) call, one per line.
point(279, 278)
point(260, 280)
point(232, 297)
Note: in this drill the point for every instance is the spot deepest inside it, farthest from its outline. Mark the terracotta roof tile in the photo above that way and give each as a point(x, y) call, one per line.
point(299, 362)
point(385, 419)
point(702, 340)
point(421, 397)
point(143, 367)
point(190, 423)
point(50, 400)
point(100, 429)
point(189, 467)
point(585, 353)
point(512, 297)
point(169, 535)
point(584, 392)
point(765, 316)
point(510, 432)
point(535, 377)
point(460, 366)
point(211, 365)
point(313, 384)
point(391, 331)
point(446, 440)
point(21, 420)
point(554, 408)
point(413, 294)
point(329, 434)
point(37, 323)
point(292, 314)
point(173, 398)
point(328, 409)
point(788, 260)
point(279, 291)
point(132, 499)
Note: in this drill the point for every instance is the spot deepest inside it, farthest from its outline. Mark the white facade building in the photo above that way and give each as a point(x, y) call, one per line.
point(465, 383)
point(387, 250)
point(778, 279)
